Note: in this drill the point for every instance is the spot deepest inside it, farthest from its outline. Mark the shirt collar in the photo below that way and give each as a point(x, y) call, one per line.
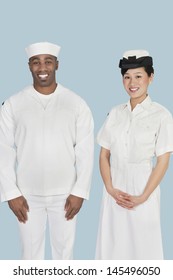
point(143, 105)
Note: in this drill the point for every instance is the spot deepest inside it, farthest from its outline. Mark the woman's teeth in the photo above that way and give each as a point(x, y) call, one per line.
point(133, 89)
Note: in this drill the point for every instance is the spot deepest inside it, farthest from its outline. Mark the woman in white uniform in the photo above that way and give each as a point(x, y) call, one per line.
point(132, 136)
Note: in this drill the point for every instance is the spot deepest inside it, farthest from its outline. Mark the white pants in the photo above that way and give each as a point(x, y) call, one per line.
point(61, 231)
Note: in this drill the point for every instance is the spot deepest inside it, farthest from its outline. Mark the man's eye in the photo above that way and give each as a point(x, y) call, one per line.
point(35, 62)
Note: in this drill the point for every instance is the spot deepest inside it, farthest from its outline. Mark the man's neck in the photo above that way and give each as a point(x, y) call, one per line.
point(46, 90)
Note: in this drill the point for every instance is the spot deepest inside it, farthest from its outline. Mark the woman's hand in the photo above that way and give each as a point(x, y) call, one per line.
point(132, 201)
point(121, 198)
point(137, 200)
point(125, 200)
point(156, 176)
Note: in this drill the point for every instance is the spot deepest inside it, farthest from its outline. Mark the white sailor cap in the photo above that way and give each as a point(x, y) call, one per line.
point(137, 53)
point(42, 48)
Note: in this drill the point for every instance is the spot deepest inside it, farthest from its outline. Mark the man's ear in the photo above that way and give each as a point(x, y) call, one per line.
point(57, 65)
point(29, 65)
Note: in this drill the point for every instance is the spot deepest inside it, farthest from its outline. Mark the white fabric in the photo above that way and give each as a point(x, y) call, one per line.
point(45, 151)
point(42, 48)
point(62, 232)
point(44, 98)
point(134, 138)
point(137, 53)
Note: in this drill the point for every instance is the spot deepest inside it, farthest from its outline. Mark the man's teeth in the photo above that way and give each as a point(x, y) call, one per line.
point(42, 76)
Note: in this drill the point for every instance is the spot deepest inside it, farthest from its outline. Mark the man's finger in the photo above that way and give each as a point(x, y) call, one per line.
point(26, 205)
point(70, 215)
point(21, 216)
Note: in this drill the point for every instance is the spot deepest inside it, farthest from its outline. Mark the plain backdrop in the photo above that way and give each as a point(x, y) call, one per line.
point(93, 35)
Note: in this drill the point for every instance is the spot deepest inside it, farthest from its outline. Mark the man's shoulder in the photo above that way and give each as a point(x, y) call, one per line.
point(18, 96)
point(70, 95)
point(117, 108)
point(64, 90)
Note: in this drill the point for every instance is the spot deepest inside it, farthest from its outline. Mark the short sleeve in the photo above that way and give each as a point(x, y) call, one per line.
point(164, 141)
point(104, 134)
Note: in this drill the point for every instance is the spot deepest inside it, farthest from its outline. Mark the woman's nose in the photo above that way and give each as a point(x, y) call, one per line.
point(132, 81)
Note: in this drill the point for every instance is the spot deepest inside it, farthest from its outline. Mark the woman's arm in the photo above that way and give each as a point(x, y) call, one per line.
point(153, 181)
point(105, 170)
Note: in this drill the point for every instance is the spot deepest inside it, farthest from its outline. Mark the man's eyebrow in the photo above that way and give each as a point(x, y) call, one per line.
point(34, 58)
point(37, 58)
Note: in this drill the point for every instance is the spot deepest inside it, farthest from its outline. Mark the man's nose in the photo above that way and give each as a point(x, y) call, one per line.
point(42, 66)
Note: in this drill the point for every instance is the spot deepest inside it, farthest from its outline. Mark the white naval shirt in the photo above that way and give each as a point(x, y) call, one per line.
point(139, 135)
point(45, 149)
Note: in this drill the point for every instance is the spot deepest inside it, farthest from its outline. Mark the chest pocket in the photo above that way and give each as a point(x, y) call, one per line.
point(146, 132)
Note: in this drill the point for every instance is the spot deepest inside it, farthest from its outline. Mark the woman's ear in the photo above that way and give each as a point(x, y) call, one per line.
point(151, 78)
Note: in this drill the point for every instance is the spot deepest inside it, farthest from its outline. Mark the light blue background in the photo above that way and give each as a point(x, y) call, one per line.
point(93, 35)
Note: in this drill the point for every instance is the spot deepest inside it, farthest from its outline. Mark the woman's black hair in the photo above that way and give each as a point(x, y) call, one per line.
point(148, 69)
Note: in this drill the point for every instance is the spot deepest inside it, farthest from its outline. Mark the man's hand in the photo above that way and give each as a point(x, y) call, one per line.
point(20, 207)
point(72, 206)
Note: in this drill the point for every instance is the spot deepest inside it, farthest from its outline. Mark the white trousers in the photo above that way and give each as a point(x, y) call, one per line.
point(61, 231)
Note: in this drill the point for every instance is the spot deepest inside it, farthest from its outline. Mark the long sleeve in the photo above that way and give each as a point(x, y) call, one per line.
point(84, 152)
point(8, 186)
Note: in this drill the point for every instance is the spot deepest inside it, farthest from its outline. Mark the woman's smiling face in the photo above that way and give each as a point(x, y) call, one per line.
point(136, 82)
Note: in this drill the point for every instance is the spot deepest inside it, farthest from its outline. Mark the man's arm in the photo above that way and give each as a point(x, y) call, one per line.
point(8, 186)
point(84, 152)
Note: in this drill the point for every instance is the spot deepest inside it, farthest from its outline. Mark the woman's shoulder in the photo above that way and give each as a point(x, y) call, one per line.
point(160, 109)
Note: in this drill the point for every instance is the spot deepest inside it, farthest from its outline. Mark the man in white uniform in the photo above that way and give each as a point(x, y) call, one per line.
point(46, 147)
